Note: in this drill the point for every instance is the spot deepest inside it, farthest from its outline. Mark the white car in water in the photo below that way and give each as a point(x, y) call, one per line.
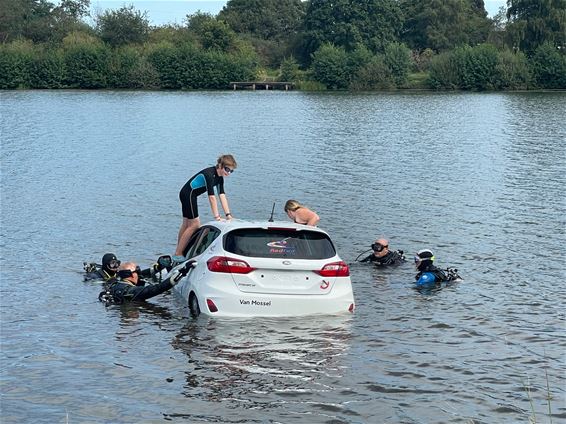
point(264, 269)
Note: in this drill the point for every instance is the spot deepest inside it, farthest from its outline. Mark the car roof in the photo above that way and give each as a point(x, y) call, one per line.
point(234, 224)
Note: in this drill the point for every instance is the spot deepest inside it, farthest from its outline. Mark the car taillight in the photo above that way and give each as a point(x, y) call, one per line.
point(335, 269)
point(231, 265)
point(211, 306)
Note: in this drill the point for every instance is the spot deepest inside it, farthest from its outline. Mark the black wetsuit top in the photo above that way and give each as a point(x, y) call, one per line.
point(123, 291)
point(149, 272)
point(99, 274)
point(203, 181)
point(393, 257)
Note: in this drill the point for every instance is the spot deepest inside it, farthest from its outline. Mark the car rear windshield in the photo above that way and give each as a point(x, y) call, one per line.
point(279, 243)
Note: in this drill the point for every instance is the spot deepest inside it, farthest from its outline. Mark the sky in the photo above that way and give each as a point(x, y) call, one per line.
point(161, 12)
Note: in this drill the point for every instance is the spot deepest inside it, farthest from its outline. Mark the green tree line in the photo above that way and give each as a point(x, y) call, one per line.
point(317, 44)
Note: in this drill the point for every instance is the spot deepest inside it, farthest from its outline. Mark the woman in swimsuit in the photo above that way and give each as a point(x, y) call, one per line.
point(301, 214)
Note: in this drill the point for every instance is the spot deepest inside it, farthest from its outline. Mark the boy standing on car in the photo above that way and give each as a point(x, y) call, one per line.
point(204, 181)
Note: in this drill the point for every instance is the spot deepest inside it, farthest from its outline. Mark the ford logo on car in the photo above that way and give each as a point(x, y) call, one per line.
point(286, 262)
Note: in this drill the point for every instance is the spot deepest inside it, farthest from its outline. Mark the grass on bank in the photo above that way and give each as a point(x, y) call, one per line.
point(417, 81)
point(527, 386)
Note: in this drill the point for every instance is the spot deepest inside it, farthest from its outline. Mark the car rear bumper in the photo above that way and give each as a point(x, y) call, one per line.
point(257, 304)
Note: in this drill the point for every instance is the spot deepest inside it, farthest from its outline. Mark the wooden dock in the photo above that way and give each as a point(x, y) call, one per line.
point(262, 85)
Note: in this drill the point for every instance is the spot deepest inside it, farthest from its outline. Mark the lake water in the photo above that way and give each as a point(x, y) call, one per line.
point(478, 178)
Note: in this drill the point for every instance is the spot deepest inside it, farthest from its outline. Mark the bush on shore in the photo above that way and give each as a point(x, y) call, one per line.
point(84, 61)
point(479, 68)
point(81, 63)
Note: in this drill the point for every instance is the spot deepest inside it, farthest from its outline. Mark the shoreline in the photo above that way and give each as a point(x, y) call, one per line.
point(219, 90)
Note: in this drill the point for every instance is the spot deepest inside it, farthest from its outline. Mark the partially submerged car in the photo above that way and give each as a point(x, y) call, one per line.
point(264, 269)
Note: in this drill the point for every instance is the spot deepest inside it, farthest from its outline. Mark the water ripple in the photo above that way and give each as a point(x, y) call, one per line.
point(476, 177)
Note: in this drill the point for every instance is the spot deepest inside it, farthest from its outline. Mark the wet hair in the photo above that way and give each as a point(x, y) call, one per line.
point(292, 205)
point(226, 160)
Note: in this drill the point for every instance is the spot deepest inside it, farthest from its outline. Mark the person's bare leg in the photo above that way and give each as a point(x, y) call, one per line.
point(184, 225)
point(188, 227)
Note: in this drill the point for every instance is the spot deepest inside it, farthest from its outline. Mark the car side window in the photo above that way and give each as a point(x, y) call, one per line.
point(192, 243)
point(209, 234)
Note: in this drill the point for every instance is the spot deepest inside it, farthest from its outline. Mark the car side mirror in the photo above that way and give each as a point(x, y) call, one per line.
point(165, 261)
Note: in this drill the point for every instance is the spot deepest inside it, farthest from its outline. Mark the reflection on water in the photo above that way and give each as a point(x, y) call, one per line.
point(477, 178)
point(270, 362)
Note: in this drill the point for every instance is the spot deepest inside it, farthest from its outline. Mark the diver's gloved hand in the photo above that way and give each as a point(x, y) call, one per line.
point(89, 267)
point(188, 266)
point(181, 272)
point(452, 274)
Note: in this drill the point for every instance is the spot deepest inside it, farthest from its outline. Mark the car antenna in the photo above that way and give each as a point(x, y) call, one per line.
point(272, 210)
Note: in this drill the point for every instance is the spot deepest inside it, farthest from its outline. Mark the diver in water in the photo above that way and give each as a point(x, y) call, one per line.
point(107, 271)
point(430, 274)
point(103, 272)
point(128, 285)
point(382, 256)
